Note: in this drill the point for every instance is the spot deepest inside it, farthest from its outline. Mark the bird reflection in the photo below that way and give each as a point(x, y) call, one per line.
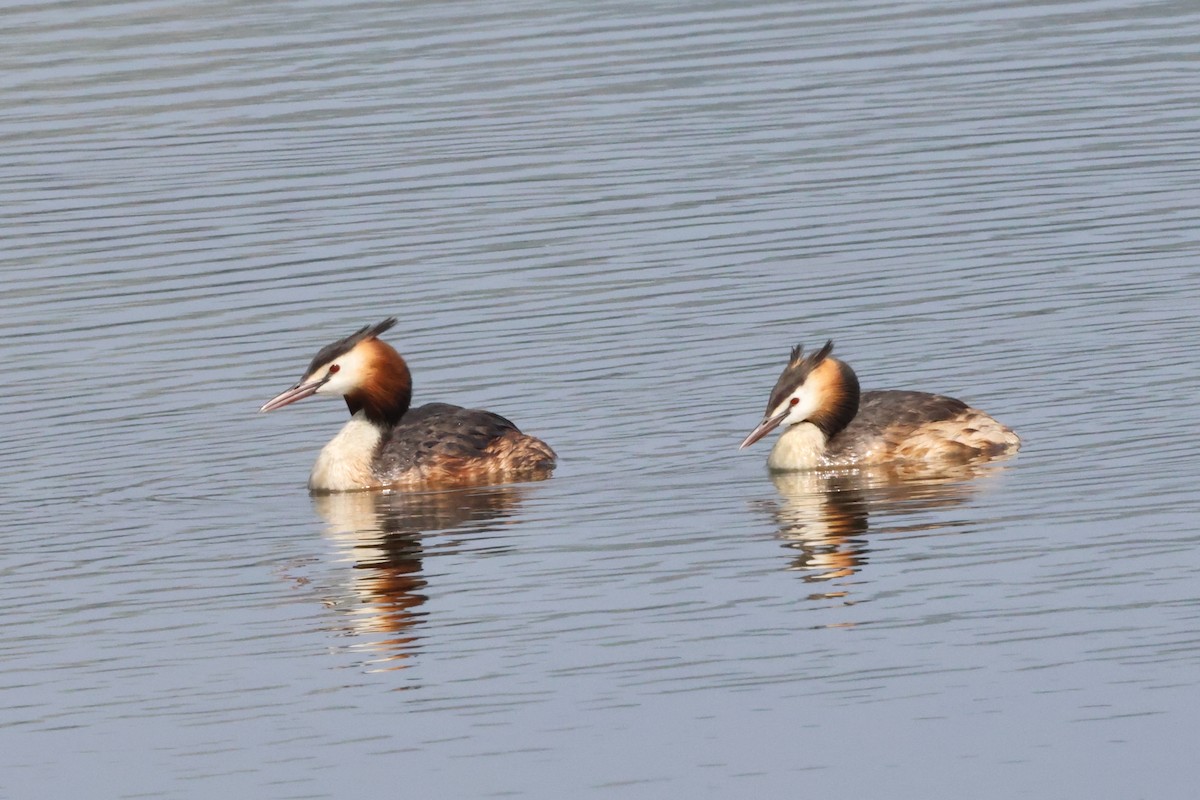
point(824, 515)
point(384, 537)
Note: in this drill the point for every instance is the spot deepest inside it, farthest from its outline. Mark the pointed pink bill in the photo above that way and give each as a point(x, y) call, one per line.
point(766, 426)
point(298, 392)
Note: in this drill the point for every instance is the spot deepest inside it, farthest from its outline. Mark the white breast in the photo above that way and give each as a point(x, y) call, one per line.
point(800, 447)
point(345, 463)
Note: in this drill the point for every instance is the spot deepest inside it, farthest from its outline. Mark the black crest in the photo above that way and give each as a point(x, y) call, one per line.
point(796, 372)
point(342, 346)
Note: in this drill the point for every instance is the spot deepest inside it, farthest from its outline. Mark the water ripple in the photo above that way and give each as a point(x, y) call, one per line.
point(610, 223)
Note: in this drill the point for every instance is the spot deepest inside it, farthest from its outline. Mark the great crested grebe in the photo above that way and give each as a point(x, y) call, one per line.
point(387, 444)
point(830, 424)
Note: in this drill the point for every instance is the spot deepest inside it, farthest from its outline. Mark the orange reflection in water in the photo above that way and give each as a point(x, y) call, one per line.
point(382, 536)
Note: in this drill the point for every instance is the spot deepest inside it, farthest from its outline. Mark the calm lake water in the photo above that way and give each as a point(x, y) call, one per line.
point(609, 222)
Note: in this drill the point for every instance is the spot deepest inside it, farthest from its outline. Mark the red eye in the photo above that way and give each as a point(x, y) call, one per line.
point(333, 368)
point(795, 400)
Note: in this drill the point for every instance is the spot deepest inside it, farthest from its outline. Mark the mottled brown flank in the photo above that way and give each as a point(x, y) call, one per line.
point(446, 446)
point(917, 426)
point(511, 456)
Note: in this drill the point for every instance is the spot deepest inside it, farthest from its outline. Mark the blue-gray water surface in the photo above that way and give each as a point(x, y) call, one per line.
point(609, 222)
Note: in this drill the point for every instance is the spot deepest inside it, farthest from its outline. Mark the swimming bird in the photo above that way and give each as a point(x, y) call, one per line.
point(829, 423)
point(387, 444)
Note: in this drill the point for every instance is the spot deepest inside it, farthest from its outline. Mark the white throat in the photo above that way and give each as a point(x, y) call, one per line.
point(345, 463)
point(799, 447)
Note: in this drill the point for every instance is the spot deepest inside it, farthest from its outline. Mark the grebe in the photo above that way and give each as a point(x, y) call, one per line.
point(830, 424)
point(387, 444)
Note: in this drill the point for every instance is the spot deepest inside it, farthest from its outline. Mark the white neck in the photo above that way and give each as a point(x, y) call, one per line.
point(800, 447)
point(345, 463)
